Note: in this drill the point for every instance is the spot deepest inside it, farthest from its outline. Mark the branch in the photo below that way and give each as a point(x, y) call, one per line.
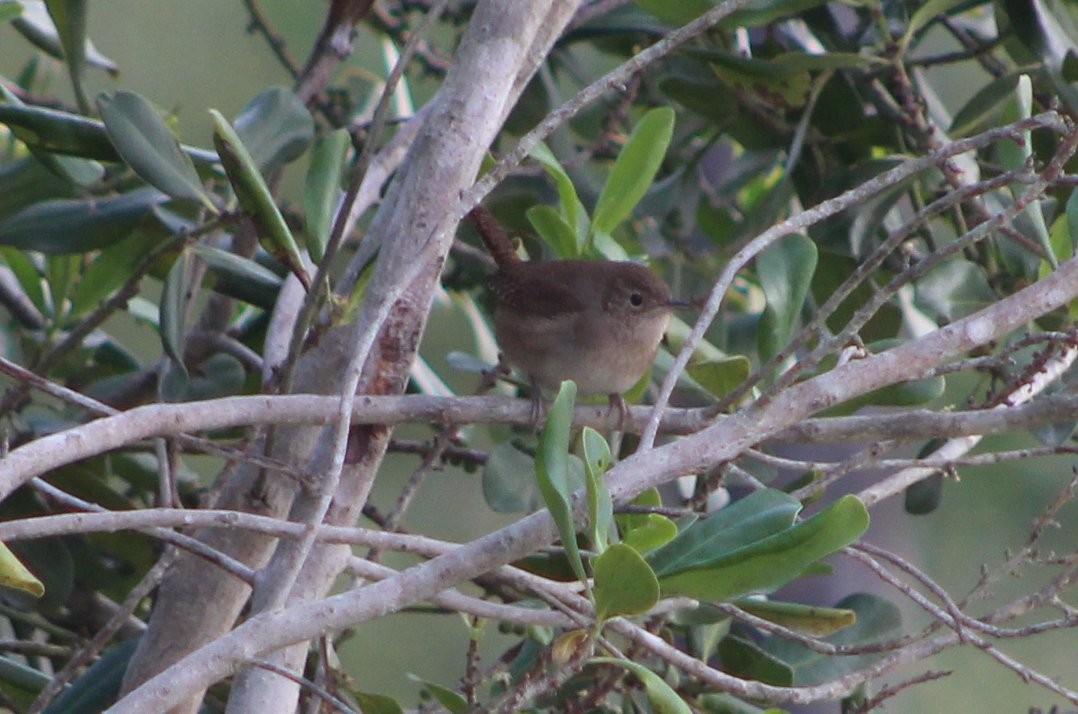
point(86, 440)
point(810, 217)
point(643, 470)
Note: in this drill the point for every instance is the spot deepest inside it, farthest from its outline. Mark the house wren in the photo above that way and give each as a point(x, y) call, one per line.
point(598, 323)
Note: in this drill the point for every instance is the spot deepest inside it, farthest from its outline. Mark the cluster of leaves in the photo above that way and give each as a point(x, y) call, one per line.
point(752, 546)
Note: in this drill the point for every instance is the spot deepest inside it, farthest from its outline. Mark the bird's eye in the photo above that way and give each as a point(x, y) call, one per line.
point(636, 299)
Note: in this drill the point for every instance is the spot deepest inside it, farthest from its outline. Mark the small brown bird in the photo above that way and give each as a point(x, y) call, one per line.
point(598, 323)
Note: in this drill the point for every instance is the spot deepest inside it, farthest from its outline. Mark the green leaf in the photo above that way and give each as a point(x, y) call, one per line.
point(1064, 236)
point(857, 230)
point(1014, 155)
point(605, 247)
point(174, 310)
point(806, 619)
point(704, 95)
point(255, 198)
point(552, 472)
point(720, 376)
point(597, 461)
point(624, 583)
point(877, 620)
point(628, 521)
point(275, 127)
point(73, 135)
point(729, 531)
point(27, 274)
point(26, 681)
point(984, 108)
point(145, 143)
point(69, 16)
point(454, 702)
point(788, 84)
point(663, 699)
point(953, 290)
point(25, 181)
point(744, 658)
point(829, 60)
point(555, 232)
point(775, 560)
point(572, 210)
point(99, 686)
point(785, 270)
point(241, 278)
point(655, 531)
point(377, 703)
point(57, 131)
point(81, 172)
point(13, 574)
point(79, 225)
point(38, 28)
point(60, 273)
point(222, 375)
point(238, 268)
point(924, 496)
point(646, 531)
point(635, 169)
point(322, 191)
point(509, 483)
point(108, 271)
point(1048, 29)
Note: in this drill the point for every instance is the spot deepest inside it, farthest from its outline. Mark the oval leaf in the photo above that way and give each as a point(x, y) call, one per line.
point(744, 658)
point(78, 226)
point(572, 210)
point(806, 619)
point(785, 271)
point(509, 484)
point(552, 472)
point(145, 143)
point(655, 531)
point(173, 310)
point(877, 620)
point(773, 561)
point(275, 127)
point(69, 17)
point(255, 198)
point(624, 583)
point(14, 574)
point(721, 375)
point(554, 230)
point(597, 461)
point(37, 27)
point(322, 191)
point(72, 134)
point(634, 170)
point(733, 529)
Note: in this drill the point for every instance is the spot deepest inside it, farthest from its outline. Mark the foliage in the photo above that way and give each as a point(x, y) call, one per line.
point(881, 239)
